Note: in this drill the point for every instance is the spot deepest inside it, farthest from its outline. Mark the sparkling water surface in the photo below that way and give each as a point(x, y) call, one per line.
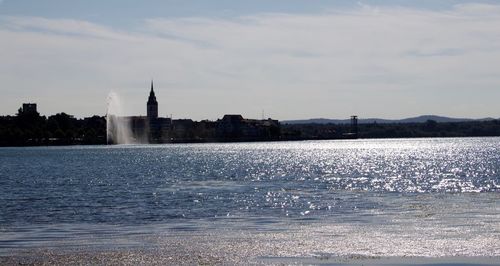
point(402, 197)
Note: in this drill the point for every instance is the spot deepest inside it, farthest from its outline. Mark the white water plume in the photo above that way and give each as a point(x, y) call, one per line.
point(118, 129)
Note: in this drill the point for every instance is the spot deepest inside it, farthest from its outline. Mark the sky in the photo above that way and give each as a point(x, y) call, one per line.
point(285, 59)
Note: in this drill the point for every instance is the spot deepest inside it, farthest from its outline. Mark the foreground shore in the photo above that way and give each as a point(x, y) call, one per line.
point(312, 244)
point(144, 257)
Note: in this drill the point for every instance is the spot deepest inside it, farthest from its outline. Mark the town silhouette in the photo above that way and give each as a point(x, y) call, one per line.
point(28, 127)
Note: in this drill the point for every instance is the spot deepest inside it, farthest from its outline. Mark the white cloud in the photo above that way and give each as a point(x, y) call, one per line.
point(477, 10)
point(388, 62)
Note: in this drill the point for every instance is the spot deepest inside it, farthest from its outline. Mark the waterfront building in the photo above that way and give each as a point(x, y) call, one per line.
point(152, 105)
point(154, 129)
point(29, 108)
point(236, 128)
point(150, 128)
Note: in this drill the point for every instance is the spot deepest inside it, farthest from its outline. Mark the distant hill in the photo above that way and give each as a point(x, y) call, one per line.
point(418, 119)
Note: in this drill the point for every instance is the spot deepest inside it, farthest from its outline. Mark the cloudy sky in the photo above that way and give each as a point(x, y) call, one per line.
point(293, 59)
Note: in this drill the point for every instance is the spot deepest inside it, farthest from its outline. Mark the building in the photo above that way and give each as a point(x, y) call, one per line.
point(236, 128)
point(152, 105)
point(150, 128)
point(154, 129)
point(29, 108)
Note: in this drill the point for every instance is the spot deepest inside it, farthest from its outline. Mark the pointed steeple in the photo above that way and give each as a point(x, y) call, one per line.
point(152, 105)
point(152, 97)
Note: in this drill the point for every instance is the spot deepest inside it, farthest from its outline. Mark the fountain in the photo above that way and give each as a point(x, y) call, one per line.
point(117, 126)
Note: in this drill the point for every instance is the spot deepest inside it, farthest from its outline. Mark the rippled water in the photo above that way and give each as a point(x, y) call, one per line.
point(429, 197)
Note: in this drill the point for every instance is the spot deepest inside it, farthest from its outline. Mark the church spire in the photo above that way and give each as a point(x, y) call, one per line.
point(152, 96)
point(152, 105)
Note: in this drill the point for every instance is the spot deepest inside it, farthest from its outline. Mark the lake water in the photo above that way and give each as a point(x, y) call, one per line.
point(396, 197)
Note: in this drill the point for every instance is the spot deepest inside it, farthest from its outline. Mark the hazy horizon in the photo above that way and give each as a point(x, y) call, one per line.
point(294, 59)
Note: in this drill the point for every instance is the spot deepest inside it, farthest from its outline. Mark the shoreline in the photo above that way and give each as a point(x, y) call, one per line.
point(247, 141)
point(361, 260)
point(159, 257)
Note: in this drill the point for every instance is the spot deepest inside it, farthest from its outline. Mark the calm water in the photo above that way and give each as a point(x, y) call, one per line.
point(424, 197)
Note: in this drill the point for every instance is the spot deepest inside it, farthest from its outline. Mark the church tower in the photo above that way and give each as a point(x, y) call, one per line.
point(152, 111)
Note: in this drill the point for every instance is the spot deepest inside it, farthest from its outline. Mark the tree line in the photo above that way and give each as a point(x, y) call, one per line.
point(428, 129)
point(31, 129)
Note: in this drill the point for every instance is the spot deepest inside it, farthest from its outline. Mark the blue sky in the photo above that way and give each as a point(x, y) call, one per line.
point(293, 59)
point(113, 12)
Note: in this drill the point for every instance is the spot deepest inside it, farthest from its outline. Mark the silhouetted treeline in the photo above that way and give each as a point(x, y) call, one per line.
point(430, 128)
point(31, 129)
